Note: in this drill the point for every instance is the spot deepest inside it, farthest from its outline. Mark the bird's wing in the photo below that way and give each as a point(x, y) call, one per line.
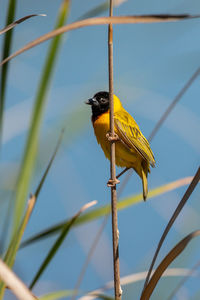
point(131, 135)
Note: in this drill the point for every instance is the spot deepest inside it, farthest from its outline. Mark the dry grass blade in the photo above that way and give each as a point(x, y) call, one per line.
point(133, 278)
point(186, 196)
point(12, 25)
point(100, 21)
point(59, 242)
point(14, 283)
point(171, 256)
point(104, 210)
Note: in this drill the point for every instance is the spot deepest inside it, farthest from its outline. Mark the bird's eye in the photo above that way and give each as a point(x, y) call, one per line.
point(103, 100)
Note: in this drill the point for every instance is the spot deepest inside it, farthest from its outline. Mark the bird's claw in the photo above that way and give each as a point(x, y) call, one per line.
point(112, 183)
point(112, 138)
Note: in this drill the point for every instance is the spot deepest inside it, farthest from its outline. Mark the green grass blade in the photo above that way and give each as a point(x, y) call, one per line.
point(14, 245)
point(15, 242)
point(57, 295)
point(6, 52)
point(102, 211)
point(32, 141)
point(58, 243)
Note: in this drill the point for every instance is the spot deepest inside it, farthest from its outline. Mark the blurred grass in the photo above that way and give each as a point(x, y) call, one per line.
point(169, 258)
point(57, 295)
point(15, 242)
point(64, 232)
point(196, 296)
point(27, 166)
point(7, 43)
point(104, 210)
point(101, 8)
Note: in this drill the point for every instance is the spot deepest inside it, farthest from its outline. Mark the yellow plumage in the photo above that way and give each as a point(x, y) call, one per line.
point(132, 150)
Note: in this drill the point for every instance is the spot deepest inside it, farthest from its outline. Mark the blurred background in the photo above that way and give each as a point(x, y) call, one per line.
point(152, 62)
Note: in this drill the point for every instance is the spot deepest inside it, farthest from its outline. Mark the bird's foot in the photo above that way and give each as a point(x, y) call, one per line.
point(112, 138)
point(112, 183)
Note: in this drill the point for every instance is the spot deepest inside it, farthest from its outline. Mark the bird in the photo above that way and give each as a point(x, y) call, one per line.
point(132, 150)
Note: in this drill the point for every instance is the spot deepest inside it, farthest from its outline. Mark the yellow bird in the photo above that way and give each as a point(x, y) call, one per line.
point(132, 149)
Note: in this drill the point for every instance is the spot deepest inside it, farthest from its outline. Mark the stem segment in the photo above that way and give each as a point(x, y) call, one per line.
point(115, 232)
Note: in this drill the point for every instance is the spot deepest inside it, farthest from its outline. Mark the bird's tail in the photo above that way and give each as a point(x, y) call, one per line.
point(144, 182)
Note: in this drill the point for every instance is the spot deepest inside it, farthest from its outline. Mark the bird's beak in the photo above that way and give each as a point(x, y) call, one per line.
point(90, 101)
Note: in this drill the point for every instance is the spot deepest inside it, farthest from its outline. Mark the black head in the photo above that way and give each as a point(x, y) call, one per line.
point(99, 103)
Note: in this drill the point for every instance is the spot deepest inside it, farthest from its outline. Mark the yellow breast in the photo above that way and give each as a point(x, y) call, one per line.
point(101, 128)
point(124, 157)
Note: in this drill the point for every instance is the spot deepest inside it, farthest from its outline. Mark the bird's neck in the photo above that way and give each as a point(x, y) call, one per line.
point(98, 111)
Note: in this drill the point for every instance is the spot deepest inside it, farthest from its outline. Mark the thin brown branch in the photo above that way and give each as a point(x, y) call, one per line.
point(115, 231)
point(100, 21)
point(177, 211)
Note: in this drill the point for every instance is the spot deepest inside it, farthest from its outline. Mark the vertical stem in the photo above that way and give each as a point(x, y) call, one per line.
point(115, 232)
